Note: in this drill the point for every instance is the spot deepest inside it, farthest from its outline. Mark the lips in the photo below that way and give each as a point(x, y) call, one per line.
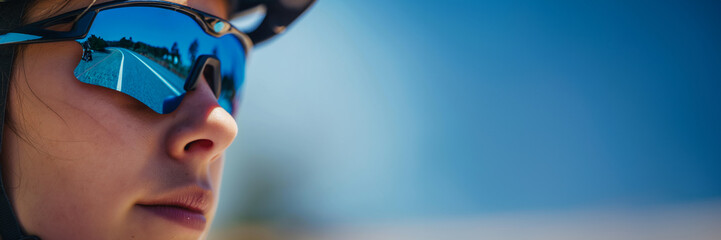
point(186, 207)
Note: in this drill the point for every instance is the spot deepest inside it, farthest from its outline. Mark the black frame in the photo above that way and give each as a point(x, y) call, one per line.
point(82, 24)
point(279, 15)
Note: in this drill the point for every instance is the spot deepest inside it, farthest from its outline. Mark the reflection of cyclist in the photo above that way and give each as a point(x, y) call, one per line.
point(82, 160)
point(87, 52)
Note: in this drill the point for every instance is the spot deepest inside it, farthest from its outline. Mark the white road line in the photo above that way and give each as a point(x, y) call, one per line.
point(120, 74)
point(156, 74)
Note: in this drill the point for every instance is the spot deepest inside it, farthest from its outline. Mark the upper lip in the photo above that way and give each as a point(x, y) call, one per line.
point(194, 199)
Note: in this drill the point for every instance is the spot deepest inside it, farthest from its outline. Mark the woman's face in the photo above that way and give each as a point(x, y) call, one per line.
point(86, 162)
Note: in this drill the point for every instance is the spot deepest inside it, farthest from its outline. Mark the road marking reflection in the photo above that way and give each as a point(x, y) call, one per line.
point(156, 73)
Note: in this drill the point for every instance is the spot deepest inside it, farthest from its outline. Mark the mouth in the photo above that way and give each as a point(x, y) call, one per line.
point(186, 208)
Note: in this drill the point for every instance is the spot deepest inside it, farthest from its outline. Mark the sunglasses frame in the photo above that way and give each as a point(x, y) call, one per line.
point(82, 19)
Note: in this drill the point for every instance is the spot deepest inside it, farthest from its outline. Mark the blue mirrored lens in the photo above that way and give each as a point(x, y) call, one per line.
point(148, 53)
point(231, 77)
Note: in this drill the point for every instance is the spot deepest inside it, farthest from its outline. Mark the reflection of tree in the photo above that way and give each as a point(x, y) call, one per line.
point(228, 87)
point(125, 43)
point(193, 50)
point(175, 53)
point(169, 59)
point(96, 43)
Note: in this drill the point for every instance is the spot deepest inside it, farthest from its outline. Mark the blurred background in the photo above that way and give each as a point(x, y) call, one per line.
point(463, 119)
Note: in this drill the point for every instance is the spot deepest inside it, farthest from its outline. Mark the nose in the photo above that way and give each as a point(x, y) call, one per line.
point(201, 129)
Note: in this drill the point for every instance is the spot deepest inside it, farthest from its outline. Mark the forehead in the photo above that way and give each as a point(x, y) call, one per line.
point(47, 8)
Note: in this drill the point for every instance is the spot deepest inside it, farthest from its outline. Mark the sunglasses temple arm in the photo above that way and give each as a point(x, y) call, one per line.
point(38, 33)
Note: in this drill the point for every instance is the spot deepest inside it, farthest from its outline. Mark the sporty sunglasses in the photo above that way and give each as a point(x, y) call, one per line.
point(152, 51)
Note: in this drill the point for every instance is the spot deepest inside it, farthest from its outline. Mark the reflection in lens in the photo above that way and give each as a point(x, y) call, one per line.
point(232, 62)
point(126, 52)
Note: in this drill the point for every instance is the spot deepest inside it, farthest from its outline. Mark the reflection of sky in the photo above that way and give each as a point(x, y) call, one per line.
point(174, 27)
point(379, 109)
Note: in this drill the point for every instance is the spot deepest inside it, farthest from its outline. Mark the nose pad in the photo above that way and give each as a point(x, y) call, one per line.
point(209, 66)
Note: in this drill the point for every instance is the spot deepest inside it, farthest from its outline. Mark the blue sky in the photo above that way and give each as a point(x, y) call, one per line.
point(118, 23)
point(377, 110)
point(114, 24)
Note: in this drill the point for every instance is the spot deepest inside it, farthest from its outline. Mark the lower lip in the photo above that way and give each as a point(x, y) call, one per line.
point(184, 217)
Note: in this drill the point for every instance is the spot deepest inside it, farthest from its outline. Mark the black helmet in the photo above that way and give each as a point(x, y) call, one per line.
point(279, 14)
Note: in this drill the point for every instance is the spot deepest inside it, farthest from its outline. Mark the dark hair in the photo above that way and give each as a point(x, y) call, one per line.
point(12, 15)
point(16, 14)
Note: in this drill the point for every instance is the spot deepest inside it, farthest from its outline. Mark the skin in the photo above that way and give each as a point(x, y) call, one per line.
point(78, 158)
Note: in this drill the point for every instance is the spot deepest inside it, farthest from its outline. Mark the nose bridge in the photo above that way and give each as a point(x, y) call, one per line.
point(209, 67)
point(201, 128)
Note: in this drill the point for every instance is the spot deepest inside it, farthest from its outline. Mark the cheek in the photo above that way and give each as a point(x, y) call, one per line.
point(78, 123)
point(216, 172)
point(47, 85)
point(58, 58)
point(57, 110)
point(79, 148)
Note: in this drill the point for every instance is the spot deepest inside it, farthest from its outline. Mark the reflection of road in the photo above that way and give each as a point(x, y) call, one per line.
point(131, 73)
point(155, 68)
point(120, 72)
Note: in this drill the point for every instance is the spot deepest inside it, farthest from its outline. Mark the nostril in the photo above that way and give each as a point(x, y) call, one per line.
point(202, 144)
